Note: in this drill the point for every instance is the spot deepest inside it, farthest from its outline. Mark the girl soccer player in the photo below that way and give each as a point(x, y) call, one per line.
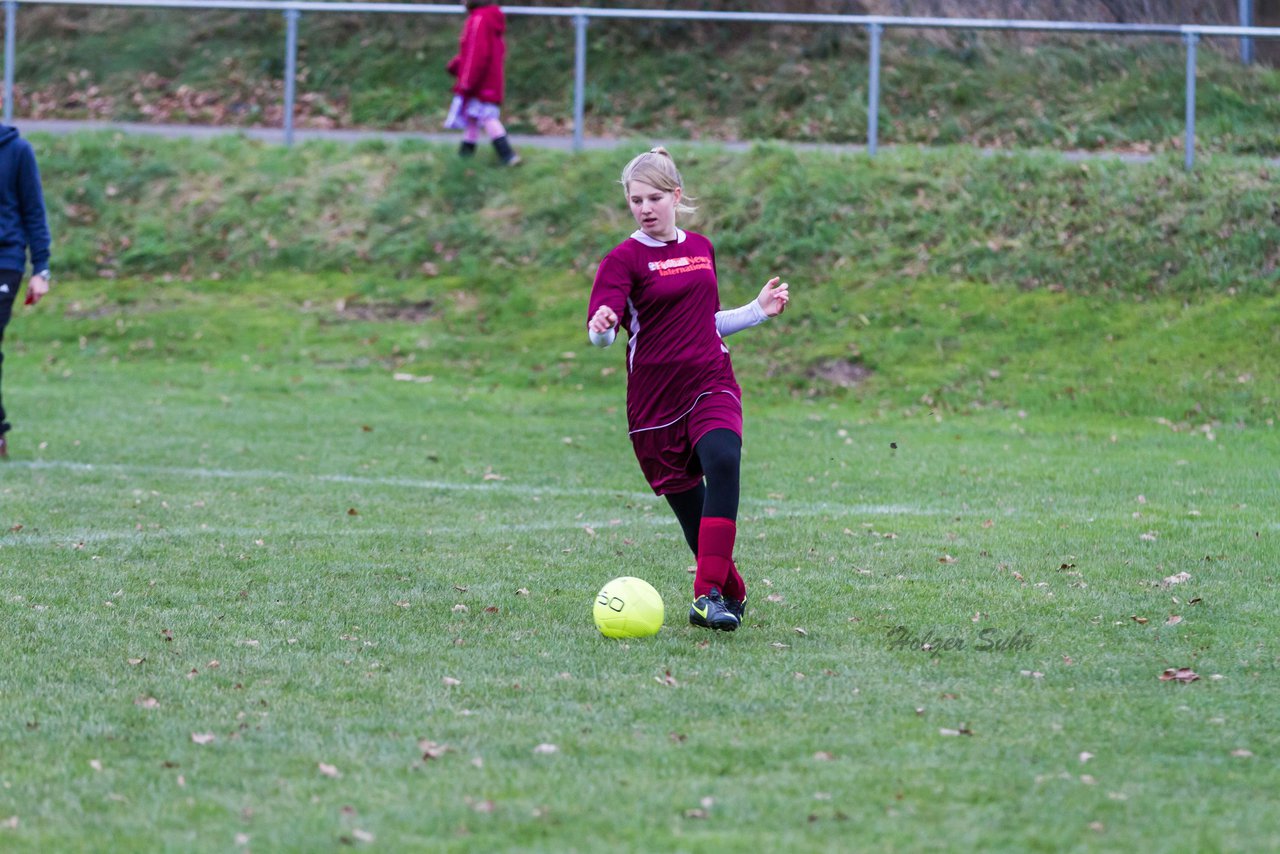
point(684, 407)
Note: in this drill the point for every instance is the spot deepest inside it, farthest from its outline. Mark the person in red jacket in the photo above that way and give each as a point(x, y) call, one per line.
point(477, 94)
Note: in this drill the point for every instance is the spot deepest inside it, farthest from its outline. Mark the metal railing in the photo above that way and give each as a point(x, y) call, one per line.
point(874, 24)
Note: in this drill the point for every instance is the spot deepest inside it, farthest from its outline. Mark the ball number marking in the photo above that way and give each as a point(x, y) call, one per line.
point(613, 604)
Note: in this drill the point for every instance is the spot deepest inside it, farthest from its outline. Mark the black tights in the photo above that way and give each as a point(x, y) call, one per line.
point(720, 454)
point(11, 279)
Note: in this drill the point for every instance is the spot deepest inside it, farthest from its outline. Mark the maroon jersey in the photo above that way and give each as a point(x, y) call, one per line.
point(666, 299)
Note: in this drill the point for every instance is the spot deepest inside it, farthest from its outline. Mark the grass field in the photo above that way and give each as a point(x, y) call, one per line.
point(283, 569)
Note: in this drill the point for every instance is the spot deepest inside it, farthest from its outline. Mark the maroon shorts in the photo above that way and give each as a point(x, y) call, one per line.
point(666, 453)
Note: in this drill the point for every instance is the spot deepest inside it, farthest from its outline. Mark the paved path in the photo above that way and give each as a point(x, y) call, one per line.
point(561, 143)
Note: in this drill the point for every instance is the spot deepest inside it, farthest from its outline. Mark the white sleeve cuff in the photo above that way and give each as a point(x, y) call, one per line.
point(737, 319)
point(603, 339)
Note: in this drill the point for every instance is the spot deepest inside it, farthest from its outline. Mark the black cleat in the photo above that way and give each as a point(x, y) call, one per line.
point(737, 607)
point(709, 612)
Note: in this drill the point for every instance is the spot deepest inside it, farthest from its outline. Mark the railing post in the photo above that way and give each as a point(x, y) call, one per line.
point(10, 22)
point(1189, 139)
point(579, 76)
point(290, 69)
point(1246, 43)
point(873, 90)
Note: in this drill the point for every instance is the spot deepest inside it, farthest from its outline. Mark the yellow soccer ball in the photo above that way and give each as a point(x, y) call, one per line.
point(628, 608)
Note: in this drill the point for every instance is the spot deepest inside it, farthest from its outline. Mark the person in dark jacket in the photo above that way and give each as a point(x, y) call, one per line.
point(478, 92)
point(24, 231)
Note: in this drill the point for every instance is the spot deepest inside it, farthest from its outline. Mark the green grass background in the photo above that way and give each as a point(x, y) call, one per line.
point(383, 407)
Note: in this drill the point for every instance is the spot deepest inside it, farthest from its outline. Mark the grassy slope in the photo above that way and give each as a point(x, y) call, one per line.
point(924, 268)
point(125, 206)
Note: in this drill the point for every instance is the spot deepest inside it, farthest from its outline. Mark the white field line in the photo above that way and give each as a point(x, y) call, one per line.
point(278, 534)
point(769, 507)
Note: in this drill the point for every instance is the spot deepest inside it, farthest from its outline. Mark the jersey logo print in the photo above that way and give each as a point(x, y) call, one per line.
point(683, 264)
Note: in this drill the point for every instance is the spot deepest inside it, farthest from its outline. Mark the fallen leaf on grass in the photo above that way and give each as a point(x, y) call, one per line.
point(203, 737)
point(329, 770)
point(147, 703)
point(450, 682)
point(1177, 578)
point(1242, 753)
point(1085, 756)
point(1139, 620)
point(964, 730)
point(135, 661)
point(1180, 674)
point(432, 750)
point(1173, 620)
point(667, 679)
point(545, 749)
point(823, 756)
point(10, 823)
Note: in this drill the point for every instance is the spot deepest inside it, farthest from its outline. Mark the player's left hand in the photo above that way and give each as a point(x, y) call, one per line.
point(37, 287)
point(774, 297)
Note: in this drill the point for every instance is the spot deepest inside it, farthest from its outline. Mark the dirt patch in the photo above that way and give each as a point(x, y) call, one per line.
point(840, 372)
point(77, 310)
point(406, 312)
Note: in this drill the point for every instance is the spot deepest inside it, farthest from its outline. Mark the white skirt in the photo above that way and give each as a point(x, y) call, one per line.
point(462, 110)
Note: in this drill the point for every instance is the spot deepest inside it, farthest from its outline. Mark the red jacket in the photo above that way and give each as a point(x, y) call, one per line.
point(481, 54)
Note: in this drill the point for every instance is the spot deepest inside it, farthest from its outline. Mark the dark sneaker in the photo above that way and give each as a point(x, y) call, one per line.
point(709, 612)
point(737, 607)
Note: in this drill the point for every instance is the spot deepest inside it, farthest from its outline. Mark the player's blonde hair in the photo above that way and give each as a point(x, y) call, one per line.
point(657, 168)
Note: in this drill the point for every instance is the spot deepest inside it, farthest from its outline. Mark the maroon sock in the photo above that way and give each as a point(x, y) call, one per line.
point(715, 554)
point(734, 587)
